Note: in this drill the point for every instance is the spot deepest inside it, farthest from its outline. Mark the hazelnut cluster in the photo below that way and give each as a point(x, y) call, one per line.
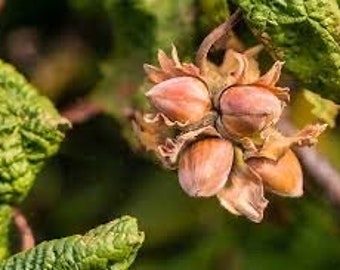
point(216, 126)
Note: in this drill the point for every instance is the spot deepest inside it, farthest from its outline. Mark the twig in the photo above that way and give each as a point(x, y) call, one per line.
point(27, 238)
point(81, 111)
point(317, 165)
point(2, 4)
point(215, 35)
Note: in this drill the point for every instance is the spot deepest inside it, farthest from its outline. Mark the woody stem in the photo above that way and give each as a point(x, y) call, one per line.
point(216, 34)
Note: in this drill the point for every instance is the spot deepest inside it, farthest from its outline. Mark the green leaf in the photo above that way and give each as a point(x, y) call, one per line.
point(211, 14)
point(30, 131)
point(110, 246)
point(139, 27)
point(173, 23)
point(303, 33)
point(5, 221)
point(326, 110)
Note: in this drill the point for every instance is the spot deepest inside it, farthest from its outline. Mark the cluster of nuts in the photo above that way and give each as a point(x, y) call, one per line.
point(216, 125)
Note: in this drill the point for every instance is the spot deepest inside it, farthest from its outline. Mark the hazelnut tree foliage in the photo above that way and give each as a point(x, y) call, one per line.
point(32, 129)
point(31, 132)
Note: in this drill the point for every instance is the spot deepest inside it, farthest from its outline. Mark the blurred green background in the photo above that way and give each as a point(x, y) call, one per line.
point(94, 50)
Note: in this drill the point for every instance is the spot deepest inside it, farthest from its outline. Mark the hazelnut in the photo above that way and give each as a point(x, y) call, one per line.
point(283, 177)
point(183, 99)
point(204, 166)
point(246, 110)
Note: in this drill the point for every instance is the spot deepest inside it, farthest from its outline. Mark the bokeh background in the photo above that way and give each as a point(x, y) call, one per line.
point(87, 57)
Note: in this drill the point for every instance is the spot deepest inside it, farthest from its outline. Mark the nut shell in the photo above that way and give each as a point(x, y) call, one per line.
point(283, 177)
point(183, 99)
point(246, 110)
point(204, 167)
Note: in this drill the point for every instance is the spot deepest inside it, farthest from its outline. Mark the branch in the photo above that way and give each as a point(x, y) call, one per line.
point(27, 238)
point(316, 164)
point(2, 5)
point(81, 111)
point(215, 35)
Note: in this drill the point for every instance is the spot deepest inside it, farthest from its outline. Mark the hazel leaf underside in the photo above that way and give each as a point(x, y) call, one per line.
point(30, 131)
point(303, 33)
point(110, 246)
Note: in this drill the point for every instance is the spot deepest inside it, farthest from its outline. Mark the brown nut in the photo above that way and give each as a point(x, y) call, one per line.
point(283, 177)
point(246, 110)
point(204, 167)
point(183, 99)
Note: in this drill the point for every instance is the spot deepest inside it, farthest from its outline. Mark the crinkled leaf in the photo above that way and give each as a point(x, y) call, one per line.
point(5, 220)
point(110, 246)
point(30, 131)
point(324, 109)
point(303, 33)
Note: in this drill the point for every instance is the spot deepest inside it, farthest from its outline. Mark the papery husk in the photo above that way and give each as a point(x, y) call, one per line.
point(154, 131)
point(170, 68)
point(274, 145)
point(242, 69)
point(150, 134)
point(171, 148)
point(244, 193)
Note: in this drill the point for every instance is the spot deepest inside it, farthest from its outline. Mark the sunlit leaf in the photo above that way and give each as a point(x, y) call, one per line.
point(30, 131)
point(110, 246)
point(303, 33)
point(324, 109)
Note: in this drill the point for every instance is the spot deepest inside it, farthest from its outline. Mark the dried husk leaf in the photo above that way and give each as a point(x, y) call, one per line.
point(154, 74)
point(242, 67)
point(170, 150)
point(152, 130)
point(149, 134)
point(215, 80)
point(245, 70)
point(234, 66)
point(275, 145)
point(167, 64)
point(244, 193)
point(272, 76)
point(171, 68)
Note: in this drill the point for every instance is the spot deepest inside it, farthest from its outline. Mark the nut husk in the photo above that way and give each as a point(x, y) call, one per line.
point(244, 193)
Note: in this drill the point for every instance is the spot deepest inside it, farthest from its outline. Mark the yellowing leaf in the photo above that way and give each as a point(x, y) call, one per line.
point(324, 109)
